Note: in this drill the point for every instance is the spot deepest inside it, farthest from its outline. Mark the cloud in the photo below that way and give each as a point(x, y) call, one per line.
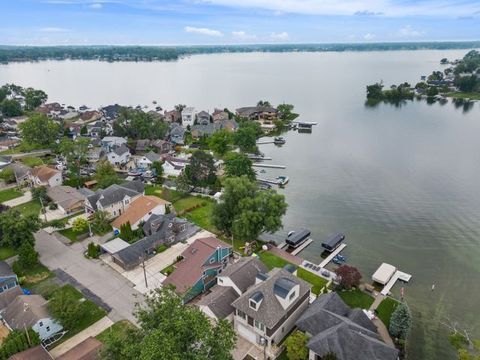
point(242, 35)
point(202, 31)
point(54, 30)
point(369, 36)
point(279, 36)
point(367, 13)
point(96, 6)
point(409, 32)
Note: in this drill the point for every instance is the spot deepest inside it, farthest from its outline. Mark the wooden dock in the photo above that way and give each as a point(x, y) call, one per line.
point(269, 166)
point(265, 142)
point(332, 255)
point(297, 250)
point(399, 275)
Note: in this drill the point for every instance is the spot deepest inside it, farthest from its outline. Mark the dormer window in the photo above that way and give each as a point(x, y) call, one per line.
point(255, 300)
point(253, 304)
point(292, 295)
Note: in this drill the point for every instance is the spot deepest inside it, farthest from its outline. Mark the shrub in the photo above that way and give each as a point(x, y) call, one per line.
point(17, 341)
point(401, 321)
point(80, 225)
point(349, 276)
point(53, 206)
point(8, 175)
point(161, 248)
point(93, 250)
point(27, 256)
point(296, 345)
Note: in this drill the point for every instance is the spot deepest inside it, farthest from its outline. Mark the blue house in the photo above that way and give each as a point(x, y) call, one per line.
point(9, 286)
point(201, 262)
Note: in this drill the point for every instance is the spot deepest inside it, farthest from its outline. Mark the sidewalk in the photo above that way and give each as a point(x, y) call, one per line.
point(26, 197)
point(92, 331)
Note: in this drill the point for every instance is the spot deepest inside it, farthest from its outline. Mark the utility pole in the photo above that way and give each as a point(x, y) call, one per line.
point(43, 209)
point(144, 272)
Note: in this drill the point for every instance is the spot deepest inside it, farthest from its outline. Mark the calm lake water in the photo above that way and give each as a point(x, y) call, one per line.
point(400, 182)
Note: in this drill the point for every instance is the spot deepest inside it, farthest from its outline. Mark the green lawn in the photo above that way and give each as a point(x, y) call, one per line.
point(317, 281)
point(168, 270)
point(6, 252)
point(118, 329)
point(9, 194)
point(272, 260)
point(32, 161)
point(31, 207)
point(202, 217)
point(464, 95)
point(33, 275)
point(385, 310)
point(187, 202)
point(71, 234)
point(356, 298)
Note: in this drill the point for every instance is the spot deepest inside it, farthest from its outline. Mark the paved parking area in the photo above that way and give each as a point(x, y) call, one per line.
point(154, 265)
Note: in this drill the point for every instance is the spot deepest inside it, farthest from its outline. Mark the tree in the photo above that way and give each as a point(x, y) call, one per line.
point(375, 91)
point(467, 83)
point(80, 225)
point(10, 108)
point(264, 103)
point(100, 222)
point(285, 112)
point(201, 170)
point(137, 124)
point(127, 233)
point(157, 167)
point(401, 321)
point(220, 141)
point(34, 98)
point(16, 228)
point(75, 151)
point(245, 211)
point(40, 194)
point(106, 174)
point(8, 175)
point(27, 256)
point(296, 345)
point(18, 341)
point(238, 165)
point(84, 130)
point(170, 330)
point(349, 276)
point(66, 307)
point(39, 130)
point(180, 107)
point(246, 137)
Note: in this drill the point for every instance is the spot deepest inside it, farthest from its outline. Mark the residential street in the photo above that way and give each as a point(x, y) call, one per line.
point(111, 287)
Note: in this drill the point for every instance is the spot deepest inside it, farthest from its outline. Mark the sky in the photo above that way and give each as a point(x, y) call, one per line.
point(194, 22)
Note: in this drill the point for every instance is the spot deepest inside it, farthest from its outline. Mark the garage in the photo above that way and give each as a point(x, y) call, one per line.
point(247, 333)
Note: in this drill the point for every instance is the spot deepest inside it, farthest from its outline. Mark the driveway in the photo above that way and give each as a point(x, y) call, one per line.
point(26, 197)
point(112, 288)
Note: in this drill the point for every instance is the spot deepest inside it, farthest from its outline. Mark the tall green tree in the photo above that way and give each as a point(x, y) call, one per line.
point(106, 174)
point(75, 152)
point(246, 137)
point(401, 321)
point(220, 141)
point(137, 124)
point(39, 130)
point(296, 345)
point(66, 307)
point(169, 330)
point(10, 108)
point(34, 98)
point(263, 103)
point(201, 169)
point(238, 165)
point(245, 212)
point(285, 112)
point(16, 228)
point(27, 256)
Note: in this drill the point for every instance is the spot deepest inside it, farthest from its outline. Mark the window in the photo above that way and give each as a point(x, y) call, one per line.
point(292, 296)
point(259, 325)
point(212, 260)
point(40, 323)
point(220, 281)
point(242, 315)
point(48, 328)
point(253, 304)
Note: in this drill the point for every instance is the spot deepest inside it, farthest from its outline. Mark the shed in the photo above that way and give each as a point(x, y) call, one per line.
point(384, 273)
point(114, 246)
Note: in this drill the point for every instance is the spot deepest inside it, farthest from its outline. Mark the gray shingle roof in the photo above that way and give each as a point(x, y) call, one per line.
point(283, 286)
point(219, 301)
point(120, 150)
point(115, 193)
point(270, 311)
point(244, 271)
point(347, 333)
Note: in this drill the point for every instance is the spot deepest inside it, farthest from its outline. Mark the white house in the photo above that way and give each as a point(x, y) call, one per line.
point(45, 176)
point(148, 159)
point(189, 115)
point(174, 166)
point(119, 156)
point(109, 142)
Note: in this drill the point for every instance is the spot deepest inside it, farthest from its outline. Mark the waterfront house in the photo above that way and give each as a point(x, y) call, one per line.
point(219, 115)
point(231, 283)
point(201, 262)
point(229, 125)
point(67, 198)
point(333, 327)
point(267, 311)
point(148, 159)
point(9, 285)
point(258, 113)
point(31, 311)
point(201, 130)
point(203, 118)
point(90, 115)
point(158, 229)
point(110, 112)
point(176, 134)
point(174, 166)
point(45, 176)
point(172, 116)
point(162, 146)
point(95, 154)
point(140, 211)
point(110, 142)
point(115, 199)
point(189, 115)
point(119, 156)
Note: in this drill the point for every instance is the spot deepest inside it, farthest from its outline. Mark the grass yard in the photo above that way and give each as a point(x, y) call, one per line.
point(71, 234)
point(464, 95)
point(385, 310)
point(272, 260)
point(32, 161)
point(202, 217)
point(356, 298)
point(187, 202)
point(6, 252)
point(9, 194)
point(168, 270)
point(33, 275)
point(119, 329)
point(317, 281)
point(31, 207)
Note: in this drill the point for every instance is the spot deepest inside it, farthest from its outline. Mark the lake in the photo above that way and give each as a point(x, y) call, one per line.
point(400, 182)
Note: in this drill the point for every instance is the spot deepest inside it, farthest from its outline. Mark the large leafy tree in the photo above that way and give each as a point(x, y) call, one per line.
point(238, 165)
point(245, 212)
point(220, 141)
point(34, 98)
point(246, 136)
point(201, 170)
point(137, 124)
point(66, 307)
point(39, 130)
point(16, 228)
point(169, 330)
point(349, 276)
point(401, 321)
point(10, 107)
point(297, 346)
point(106, 174)
point(285, 112)
point(75, 151)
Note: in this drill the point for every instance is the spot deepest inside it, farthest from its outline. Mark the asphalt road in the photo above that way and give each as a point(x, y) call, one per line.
point(101, 280)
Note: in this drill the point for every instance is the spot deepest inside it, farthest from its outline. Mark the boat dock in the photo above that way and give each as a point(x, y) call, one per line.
point(260, 158)
point(332, 255)
point(297, 250)
point(269, 166)
point(265, 142)
point(399, 275)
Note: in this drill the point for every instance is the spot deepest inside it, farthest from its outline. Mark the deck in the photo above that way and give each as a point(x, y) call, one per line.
point(270, 166)
point(399, 275)
point(332, 255)
point(297, 250)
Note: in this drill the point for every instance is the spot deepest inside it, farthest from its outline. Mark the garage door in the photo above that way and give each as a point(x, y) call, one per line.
point(247, 334)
